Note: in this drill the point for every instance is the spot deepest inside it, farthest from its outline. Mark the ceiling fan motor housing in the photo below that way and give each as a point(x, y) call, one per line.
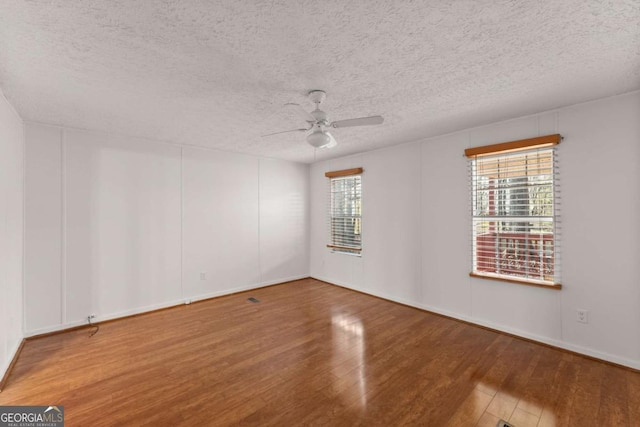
point(320, 116)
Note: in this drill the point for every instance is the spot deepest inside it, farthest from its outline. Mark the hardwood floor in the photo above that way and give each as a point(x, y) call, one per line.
point(314, 354)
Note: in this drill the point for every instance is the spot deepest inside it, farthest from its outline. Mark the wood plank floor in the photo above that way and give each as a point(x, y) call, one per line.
point(314, 354)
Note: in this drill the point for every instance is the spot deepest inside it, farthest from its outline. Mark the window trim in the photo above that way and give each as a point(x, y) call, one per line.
point(519, 145)
point(344, 172)
point(505, 148)
point(515, 279)
point(338, 174)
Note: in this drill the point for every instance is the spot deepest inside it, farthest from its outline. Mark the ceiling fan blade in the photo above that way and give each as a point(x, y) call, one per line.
point(362, 121)
point(302, 112)
point(285, 131)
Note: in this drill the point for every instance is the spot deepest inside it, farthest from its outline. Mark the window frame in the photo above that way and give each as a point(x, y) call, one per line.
point(334, 243)
point(507, 149)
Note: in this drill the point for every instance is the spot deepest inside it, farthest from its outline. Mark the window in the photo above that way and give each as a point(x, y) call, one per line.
point(345, 210)
point(515, 211)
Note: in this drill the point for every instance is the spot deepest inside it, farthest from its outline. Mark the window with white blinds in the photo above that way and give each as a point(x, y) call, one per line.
point(515, 229)
point(345, 210)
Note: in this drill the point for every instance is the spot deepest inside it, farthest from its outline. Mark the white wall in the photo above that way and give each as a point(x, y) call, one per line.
point(416, 231)
point(43, 228)
point(284, 220)
point(245, 222)
point(119, 225)
point(11, 232)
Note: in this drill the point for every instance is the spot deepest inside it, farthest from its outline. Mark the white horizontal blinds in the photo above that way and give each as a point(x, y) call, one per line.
point(345, 211)
point(515, 212)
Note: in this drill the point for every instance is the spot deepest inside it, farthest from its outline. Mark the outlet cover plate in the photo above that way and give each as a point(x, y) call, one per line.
point(582, 315)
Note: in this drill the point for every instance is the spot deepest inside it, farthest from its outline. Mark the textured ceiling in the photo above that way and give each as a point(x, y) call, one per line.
point(218, 73)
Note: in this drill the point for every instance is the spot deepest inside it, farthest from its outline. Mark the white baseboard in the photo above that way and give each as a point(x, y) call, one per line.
point(102, 318)
point(173, 303)
point(244, 288)
point(10, 356)
point(634, 364)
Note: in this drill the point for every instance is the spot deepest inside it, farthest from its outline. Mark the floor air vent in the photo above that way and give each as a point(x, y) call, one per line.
point(256, 300)
point(503, 423)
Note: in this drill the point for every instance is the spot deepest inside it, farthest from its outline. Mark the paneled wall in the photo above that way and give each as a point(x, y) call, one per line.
point(118, 225)
point(11, 237)
point(416, 230)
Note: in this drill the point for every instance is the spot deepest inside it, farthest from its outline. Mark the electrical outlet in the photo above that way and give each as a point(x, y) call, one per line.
point(203, 275)
point(582, 315)
point(91, 316)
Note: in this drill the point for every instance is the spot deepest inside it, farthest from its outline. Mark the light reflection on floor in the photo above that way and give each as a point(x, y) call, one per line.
point(349, 357)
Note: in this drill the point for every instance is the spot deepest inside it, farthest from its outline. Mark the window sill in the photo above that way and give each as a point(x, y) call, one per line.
point(344, 250)
point(355, 254)
point(519, 281)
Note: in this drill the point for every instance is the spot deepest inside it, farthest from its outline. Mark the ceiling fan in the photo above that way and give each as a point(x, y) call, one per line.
point(318, 123)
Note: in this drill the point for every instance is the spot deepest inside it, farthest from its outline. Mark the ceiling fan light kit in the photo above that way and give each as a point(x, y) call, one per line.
point(318, 139)
point(318, 122)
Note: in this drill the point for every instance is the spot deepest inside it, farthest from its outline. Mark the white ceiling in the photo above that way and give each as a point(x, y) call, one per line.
point(218, 73)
